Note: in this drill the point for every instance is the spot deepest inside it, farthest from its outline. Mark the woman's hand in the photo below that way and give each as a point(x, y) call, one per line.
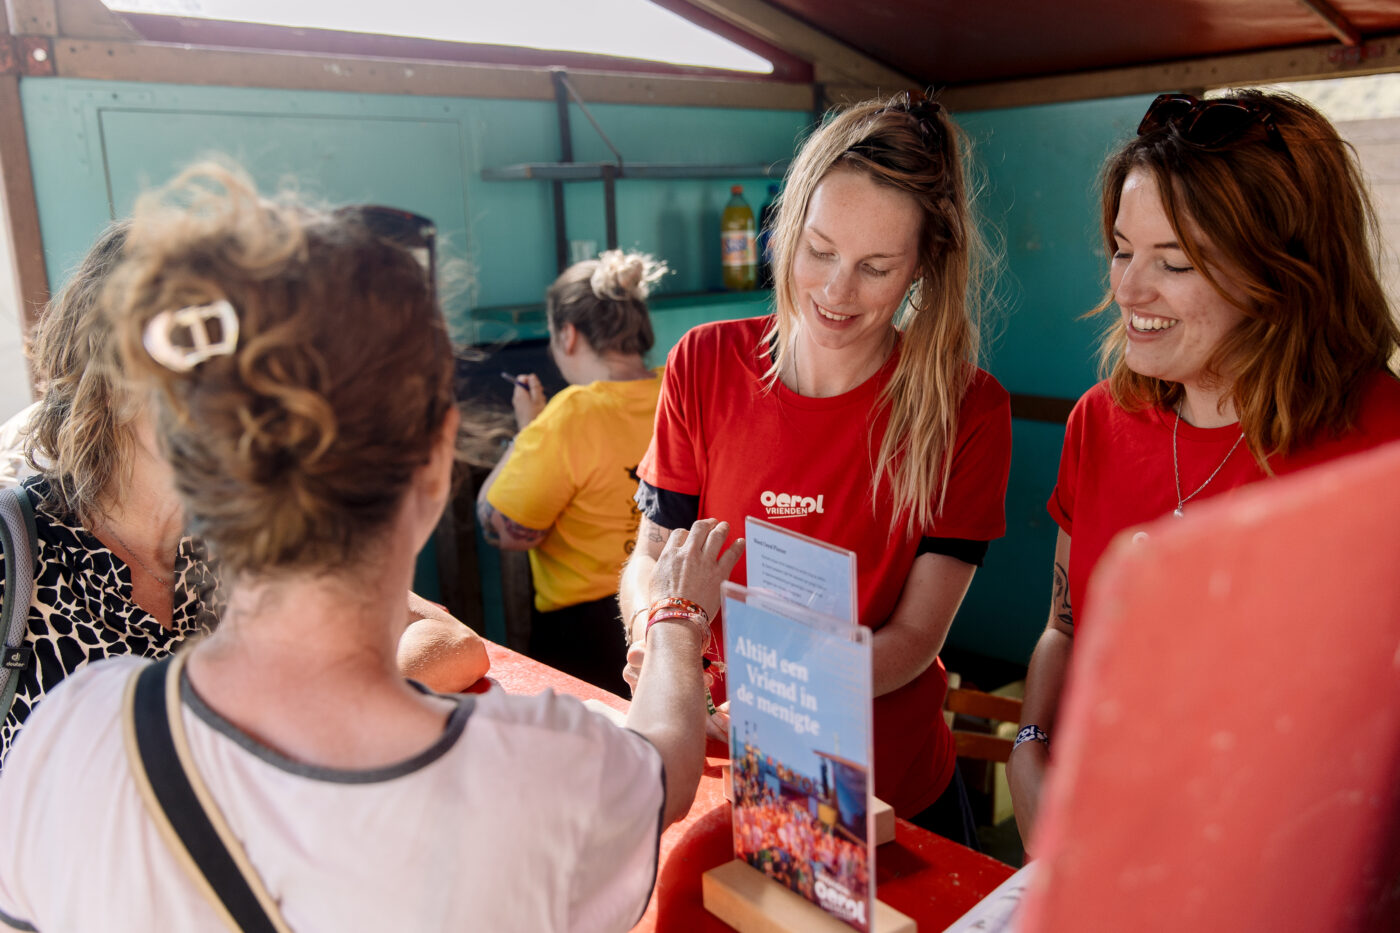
point(694, 563)
point(691, 566)
point(527, 399)
point(717, 726)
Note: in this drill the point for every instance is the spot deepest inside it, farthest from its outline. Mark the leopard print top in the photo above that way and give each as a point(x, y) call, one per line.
point(83, 610)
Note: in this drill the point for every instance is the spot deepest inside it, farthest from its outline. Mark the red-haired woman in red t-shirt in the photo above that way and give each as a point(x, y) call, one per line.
point(1252, 338)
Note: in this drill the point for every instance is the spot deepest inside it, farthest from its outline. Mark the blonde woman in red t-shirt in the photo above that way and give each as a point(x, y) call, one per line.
point(855, 414)
point(1252, 338)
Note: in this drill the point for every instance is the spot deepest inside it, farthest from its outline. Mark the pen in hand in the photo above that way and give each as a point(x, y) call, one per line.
point(516, 381)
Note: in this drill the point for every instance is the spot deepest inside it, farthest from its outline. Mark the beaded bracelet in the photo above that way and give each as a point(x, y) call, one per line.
point(697, 622)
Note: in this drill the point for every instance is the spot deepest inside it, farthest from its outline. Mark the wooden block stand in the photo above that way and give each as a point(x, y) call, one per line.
point(751, 902)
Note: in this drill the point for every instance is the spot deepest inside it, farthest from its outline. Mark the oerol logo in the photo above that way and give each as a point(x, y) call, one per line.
point(789, 505)
point(837, 901)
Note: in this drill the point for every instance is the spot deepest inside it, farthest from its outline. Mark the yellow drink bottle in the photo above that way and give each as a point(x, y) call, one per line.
point(738, 247)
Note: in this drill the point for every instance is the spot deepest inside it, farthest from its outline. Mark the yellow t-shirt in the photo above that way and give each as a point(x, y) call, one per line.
point(574, 470)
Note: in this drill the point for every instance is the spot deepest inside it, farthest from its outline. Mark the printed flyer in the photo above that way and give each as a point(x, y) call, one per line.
point(800, 748)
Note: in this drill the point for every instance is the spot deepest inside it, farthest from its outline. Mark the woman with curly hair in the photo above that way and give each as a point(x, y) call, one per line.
point(116, 572)
point(301, 379)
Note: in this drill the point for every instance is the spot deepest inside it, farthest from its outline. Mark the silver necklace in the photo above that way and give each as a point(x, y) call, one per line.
point(1176, 470)
point(166, 582)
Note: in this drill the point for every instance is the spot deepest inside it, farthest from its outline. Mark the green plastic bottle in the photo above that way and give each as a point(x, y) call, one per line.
point(738, 246)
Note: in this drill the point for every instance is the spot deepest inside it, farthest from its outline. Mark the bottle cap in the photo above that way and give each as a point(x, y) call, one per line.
point(736, 189)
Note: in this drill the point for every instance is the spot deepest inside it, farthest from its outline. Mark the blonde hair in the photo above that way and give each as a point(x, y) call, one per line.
point(604, 299)
point(79, 437)
point(293, 450)
point(913, 146)
point(1293, 227)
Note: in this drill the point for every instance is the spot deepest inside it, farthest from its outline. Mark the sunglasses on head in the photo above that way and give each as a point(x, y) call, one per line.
point(1208, 124)
point(405, 229)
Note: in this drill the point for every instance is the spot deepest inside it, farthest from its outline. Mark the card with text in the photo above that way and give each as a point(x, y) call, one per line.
point(800, 569)
point(800, 739)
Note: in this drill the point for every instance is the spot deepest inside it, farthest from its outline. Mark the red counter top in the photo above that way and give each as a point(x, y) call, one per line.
point(923, 875)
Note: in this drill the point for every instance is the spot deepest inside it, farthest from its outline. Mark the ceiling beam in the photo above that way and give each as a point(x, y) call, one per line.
point(90, 19)
point(1335, 20)
point(179, 64)
point(833, 60)
point(1376, 55)
point(32, 17)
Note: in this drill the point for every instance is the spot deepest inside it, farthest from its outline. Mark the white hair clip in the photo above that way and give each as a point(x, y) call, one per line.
point(181, 339)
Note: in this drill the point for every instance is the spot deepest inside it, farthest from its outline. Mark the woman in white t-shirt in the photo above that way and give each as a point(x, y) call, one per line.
point(301, 379)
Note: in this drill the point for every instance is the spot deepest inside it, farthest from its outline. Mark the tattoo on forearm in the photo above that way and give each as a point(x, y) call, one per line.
point(655, 534)
point(1059, 602)
point(486, 515)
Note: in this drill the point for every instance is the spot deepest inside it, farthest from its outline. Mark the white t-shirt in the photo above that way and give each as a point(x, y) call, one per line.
point(530, 814)
point(14, 469)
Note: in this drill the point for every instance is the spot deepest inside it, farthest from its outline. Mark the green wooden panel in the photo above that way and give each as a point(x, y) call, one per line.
point(1041, 166)
point(95, 145)
point(1006, 608)
point(675, 220)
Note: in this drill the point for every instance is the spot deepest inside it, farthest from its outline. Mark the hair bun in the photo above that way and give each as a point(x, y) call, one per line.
point(622, 276)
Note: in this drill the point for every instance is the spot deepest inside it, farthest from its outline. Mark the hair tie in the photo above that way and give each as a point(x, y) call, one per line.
point(614, 266)
point(181, 339)
point(925, 113)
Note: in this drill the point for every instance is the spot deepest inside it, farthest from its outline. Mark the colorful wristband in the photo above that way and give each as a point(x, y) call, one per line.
point(680, 602)
point(697, 621)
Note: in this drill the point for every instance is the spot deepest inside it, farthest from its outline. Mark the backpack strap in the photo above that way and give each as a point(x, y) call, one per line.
point(20, 538)
point(180, 803)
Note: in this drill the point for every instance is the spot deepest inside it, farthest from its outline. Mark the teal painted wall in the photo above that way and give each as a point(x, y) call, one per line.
point(95, 145)
point(1041, 167)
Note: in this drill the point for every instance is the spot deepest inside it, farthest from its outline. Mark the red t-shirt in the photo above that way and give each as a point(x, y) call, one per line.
point(1116, 467)
point(722, 434)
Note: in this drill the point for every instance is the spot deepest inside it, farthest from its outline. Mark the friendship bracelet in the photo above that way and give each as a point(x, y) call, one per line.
point(680, 602)
point(697, 621)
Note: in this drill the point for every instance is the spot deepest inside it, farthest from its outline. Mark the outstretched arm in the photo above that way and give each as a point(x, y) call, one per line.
point(668, 703)
point(1045, 684)
point(633, 592)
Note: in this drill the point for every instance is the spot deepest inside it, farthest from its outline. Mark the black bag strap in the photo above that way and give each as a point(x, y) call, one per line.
point(16, 528)
point(180, 803)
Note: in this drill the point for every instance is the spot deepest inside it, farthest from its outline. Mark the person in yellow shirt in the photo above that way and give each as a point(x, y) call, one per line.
point(563, 490)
